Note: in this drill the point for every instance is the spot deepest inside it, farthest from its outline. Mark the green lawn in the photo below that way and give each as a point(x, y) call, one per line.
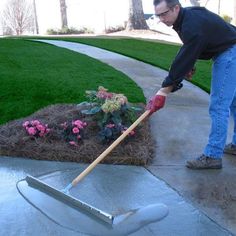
point(34, 75)
point(154, 53)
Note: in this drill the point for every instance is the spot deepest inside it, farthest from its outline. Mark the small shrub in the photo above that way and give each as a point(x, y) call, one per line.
point(112, 29)
point(111, 132)
point(52, 32)
point(67, 30)
point(73, 132)
point(111, 111)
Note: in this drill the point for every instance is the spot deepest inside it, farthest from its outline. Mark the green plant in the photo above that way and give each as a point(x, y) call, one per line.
point(111, 111)
point(73, 132)
point(111, 132)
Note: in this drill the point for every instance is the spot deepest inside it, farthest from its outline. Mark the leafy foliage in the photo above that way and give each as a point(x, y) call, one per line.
point(111, 111)
point(73, 132)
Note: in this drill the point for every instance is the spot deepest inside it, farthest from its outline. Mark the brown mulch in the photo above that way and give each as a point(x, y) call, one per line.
point(14, 141)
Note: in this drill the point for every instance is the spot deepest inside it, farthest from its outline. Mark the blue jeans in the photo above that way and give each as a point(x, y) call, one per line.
point(222, 101)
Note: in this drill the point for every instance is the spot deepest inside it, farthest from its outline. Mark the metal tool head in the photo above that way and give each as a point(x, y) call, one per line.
point(68, 199)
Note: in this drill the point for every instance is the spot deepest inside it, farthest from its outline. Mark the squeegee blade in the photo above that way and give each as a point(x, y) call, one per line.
point(68, 199)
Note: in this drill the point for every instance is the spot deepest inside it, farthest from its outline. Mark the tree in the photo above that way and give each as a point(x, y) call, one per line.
point(18, 17)
point(64, 23)
point(136, 16)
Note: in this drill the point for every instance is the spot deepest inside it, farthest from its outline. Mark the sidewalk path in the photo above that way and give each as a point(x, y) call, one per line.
point(181, 131)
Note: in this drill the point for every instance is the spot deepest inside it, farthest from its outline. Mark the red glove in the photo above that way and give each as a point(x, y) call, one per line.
point(156, 103)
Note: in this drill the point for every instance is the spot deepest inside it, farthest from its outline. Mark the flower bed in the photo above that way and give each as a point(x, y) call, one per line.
point(14, 140)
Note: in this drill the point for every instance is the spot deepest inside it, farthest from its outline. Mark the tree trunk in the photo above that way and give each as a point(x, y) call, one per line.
point(35, 18)
point(219, 8)
point(195, 2)
point(136, 16)
point(64, 23)
point(235, 12)
point(206, 3)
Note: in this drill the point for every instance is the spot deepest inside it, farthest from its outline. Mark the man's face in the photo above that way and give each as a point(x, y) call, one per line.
point(167, 15)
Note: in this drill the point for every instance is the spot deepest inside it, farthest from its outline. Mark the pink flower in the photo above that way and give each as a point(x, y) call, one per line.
point(104, 95)
point(26, 123)
point(110, 125)
point(132, 133)
point(73, 143)
point(77, 122)
point(40, 127)
point(32, 131)
point(75, 130)
point(47, 131)
point(78, 137)
point(35, 122)
point(64, 125)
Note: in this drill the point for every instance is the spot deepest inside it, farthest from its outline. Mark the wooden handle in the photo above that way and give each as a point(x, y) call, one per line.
point(109, 149)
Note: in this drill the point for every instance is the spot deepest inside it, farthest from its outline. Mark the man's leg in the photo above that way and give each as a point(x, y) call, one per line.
point(231, 147)
point(223, 88)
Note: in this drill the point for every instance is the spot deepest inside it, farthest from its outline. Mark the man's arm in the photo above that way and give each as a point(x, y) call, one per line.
point(185, 59)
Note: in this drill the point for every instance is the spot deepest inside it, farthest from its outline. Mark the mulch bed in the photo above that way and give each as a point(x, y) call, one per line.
point(136, 150)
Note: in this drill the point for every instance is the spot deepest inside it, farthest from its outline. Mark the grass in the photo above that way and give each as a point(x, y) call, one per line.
point(155, 53)
point(34, 75)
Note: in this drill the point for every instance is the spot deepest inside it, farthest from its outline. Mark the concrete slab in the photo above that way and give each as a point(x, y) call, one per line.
point(213, 192)
point(112, 188)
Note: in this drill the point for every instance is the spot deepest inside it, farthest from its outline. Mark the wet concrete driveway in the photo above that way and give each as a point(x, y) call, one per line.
point(112, 188)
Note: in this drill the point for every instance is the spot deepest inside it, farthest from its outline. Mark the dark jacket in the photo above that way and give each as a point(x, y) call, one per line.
point(204, 36)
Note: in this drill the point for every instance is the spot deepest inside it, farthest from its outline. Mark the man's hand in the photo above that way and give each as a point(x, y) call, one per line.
point(156, 103)
point(190, 74)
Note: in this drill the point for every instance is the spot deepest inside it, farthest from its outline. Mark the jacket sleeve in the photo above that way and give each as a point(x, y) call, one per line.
point(185, 59)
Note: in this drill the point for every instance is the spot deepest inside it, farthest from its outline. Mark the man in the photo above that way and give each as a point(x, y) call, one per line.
point(206, 36)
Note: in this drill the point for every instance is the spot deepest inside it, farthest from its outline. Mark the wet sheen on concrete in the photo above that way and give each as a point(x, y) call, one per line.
point(113, 188)
point(127, 219)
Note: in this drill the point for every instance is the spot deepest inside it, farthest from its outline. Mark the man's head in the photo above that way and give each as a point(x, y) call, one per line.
point(167, 10)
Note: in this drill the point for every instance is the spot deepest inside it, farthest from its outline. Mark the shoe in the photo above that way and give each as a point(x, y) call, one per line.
point(230, 149)
point(204, 162)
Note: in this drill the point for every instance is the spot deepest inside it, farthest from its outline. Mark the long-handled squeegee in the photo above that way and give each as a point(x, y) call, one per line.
point(64, 196)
